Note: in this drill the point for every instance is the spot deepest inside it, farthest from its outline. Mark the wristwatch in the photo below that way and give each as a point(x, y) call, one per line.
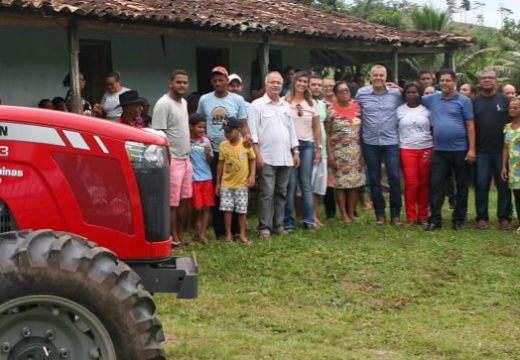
point(320, 147)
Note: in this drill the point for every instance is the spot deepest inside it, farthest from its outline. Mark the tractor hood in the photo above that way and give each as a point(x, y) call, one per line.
point(70, 121)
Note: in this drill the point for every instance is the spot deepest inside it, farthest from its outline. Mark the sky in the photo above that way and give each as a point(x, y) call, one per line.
point(489, 11)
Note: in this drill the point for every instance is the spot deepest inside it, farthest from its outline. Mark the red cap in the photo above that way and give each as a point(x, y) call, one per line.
point(219, 70)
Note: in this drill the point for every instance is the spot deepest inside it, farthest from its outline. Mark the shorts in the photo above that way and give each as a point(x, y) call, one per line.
point(203, 194)
point(181, 173)
point(319, 178)
point(234, 200)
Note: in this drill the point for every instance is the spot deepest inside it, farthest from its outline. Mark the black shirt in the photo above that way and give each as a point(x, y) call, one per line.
point(491, 115)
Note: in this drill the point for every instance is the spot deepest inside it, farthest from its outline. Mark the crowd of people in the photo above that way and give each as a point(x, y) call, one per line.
point(306, 139)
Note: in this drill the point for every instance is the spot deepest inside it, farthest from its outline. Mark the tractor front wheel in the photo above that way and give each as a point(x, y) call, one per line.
point(62, 297)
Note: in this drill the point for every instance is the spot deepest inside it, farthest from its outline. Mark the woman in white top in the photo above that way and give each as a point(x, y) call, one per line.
point(306, 119)
point(110, 107)
point(416, 145)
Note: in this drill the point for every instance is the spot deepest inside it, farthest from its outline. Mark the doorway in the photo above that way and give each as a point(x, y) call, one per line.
point(95, 61)
point(207, 59)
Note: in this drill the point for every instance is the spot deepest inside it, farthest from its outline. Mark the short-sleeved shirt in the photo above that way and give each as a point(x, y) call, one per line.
point(172, 117)
point(236, 164)
point(216, 110)
point(303, 123)
point(449, 116)
point(491, 116)
point(322, 112)
point(414, 127)
point(110, 104)
point(512, 142)
point(379, 117)
point(199, 161)
point(273, 130)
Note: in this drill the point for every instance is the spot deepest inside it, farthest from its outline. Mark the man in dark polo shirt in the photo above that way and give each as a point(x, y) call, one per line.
point(453, 144)
point(491, 116)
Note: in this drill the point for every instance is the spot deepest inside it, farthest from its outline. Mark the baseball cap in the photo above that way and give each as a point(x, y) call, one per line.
point(234, 77)
point(231, 123)
point(219, 70)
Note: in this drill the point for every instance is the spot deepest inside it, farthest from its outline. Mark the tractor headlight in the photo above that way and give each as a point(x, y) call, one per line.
point(149, 156)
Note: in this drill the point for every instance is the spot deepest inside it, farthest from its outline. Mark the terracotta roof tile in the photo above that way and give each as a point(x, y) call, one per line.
point(268, 16)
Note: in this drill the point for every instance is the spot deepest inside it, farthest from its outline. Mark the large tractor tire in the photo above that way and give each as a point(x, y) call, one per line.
point(62, 297)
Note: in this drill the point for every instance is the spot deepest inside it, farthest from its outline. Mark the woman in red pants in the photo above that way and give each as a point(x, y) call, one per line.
point(416, 144)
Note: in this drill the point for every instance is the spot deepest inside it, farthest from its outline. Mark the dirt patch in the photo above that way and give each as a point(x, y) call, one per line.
point(515, 314)
point(170, 338)
point(391, 304)
point(364, 287)
point(443, 274)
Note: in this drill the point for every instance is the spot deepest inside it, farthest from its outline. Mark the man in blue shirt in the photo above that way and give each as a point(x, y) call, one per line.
point(380, 141)
point(453, 144)
point(217, 106)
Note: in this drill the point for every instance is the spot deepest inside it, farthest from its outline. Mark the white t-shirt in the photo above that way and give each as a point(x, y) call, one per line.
point(414, 125)
point(172, 117)
point(110, 104)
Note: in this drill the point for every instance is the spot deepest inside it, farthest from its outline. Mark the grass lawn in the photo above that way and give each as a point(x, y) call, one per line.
point(353, 292)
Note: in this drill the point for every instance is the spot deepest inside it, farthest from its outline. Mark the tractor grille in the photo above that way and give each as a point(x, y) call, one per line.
point(7, 222)
point(154, 187)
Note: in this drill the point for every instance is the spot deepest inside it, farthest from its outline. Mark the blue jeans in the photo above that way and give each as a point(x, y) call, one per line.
point(488, 166)
point(373, 155)
point(301, 176)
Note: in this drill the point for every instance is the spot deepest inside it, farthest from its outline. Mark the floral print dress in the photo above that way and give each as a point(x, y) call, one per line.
point(345, 129)
point(512, 141)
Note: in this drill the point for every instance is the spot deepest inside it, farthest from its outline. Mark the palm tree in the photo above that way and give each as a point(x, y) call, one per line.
point(427, 18)
point(494, 51)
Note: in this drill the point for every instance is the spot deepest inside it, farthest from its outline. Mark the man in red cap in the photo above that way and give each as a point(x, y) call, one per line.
point(217, 106)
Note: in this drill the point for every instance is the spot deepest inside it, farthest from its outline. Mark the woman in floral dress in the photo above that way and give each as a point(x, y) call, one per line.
point(511, 153)
point(344, 150)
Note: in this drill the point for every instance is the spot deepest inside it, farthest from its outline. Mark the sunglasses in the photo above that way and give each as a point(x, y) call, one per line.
point(299, 108)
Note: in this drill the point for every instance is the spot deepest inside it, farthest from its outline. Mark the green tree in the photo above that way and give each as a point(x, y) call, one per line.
point(331, 5)
point(389, 12)
point(511, 29)
point(465, 5)
point(427, 18)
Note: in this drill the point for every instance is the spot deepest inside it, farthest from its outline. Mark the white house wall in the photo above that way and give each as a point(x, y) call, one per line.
point(34, 61)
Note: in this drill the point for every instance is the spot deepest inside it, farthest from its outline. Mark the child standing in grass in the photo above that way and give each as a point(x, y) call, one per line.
point(201, 156)
point(235, 173)
point(511, 153)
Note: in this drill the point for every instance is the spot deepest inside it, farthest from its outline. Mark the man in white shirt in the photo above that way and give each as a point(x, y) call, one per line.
point(276, 149)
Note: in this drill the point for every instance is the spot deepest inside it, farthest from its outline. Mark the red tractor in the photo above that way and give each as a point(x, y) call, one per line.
point(93, 183)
